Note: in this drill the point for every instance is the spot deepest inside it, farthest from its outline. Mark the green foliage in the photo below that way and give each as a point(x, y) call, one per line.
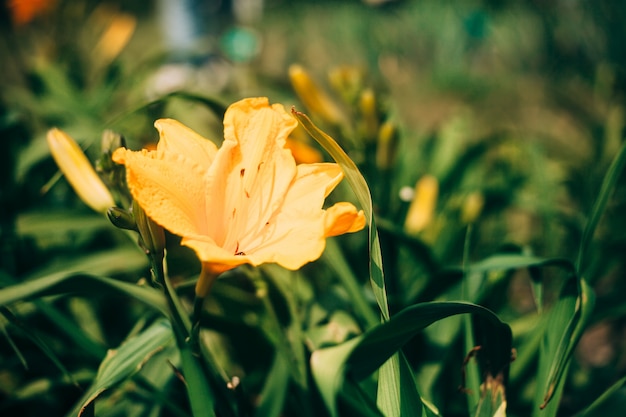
point(482, 140)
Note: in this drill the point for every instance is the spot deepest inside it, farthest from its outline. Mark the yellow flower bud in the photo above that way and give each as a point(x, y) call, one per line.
point(78, 170)
point(347, 81)
point(116, 37)
point(314, 99)
point(369, 112)
point(387, 146)
point(472, 207)
point(422, 208)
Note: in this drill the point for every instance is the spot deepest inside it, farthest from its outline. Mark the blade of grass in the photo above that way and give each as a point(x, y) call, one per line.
point(274, 391)
point(72, 282)
point(592, 410)
point(377, 279)
point(215, 105)
point(362, 192)
point(568, 319)
point(608, 184)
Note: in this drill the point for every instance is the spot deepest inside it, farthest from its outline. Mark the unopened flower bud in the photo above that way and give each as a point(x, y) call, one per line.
point(347, 81)
point(472, 207)
point(369, 113)
point(422, 208)
point(110, 142)
point(314, 99)
point(116, 37)
point(387, 147)
point(78, 170)
point(151, 235)
point(121, 218)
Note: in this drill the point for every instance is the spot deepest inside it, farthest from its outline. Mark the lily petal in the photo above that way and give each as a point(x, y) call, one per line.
point(295, 235)
point(178, 139)
point(343, 218)
point(169, 187)
point(252, 171)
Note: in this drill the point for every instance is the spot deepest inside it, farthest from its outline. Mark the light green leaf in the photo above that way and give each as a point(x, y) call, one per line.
point(359, 357)
point(362, 192)
point(127, 360)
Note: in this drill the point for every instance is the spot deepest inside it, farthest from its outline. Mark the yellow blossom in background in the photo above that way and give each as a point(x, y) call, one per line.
point(422, 208)
point(115, 38)
point(244, 203)
point(302, 152)
point(314, 98)
point(472, 206)
point(78, 170)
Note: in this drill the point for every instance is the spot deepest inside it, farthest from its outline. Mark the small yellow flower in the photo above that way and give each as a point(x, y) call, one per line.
point(78, 170)
point(246, 202)
point(422, 208)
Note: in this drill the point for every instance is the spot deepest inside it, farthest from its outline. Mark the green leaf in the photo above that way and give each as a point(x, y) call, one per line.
point(359, 357)
point(72, 282)
point(514, 261)
point(215, 105)
point(362, 192)
point(401, 396)
point(38, 341)
point(198, 388)
point(596, 407)
point(608, 184)
point(377, 279)
point(272, 397)
point(127, 360)
point(566, 324)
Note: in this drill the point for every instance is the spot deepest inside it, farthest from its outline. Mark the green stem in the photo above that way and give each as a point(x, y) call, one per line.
point(283, 345)
point(202, 370)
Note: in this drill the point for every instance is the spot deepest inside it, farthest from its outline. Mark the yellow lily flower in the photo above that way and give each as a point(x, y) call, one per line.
point(244, 203)
point(78, 170)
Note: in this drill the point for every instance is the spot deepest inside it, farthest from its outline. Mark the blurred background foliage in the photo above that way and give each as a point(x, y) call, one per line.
point(496, 119)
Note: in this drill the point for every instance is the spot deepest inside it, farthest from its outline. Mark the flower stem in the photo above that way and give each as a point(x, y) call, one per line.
point(202, 372)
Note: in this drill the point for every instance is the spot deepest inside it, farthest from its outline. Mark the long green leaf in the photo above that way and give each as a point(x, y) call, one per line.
point(72, 282)
point(362, 192)
point(568, 319)
point(127, 360)
point(215, 105)
point(608, 184)
point(274, 391)
point(401, 397)
point(362, 355)
point(38, 341)
point(388, 380)
point(593, 409)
